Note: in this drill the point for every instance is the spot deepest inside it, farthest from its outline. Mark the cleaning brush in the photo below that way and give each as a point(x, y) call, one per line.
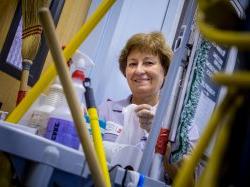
point(31, 37)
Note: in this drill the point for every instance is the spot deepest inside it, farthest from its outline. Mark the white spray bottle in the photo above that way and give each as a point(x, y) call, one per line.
point(81, 63)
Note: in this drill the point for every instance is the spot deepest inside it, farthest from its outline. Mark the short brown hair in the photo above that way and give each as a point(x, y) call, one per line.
point(153, 43)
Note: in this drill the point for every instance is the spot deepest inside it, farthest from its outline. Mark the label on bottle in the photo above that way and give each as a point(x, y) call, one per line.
point(62, 126)
point(62, 131)
point(39, 120)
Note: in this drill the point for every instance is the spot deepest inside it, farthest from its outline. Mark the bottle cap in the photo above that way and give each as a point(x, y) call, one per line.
point(78, 74)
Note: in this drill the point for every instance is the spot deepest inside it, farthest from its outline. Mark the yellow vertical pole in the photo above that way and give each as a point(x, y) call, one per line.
point(96, 132)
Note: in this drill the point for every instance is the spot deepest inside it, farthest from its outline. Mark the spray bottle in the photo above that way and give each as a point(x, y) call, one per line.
point(80, 63)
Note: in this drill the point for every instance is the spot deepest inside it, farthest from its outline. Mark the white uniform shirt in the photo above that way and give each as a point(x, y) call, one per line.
point(112, 111)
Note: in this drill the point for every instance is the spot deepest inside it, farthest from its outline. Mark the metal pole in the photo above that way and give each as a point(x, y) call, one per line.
point(166, 94)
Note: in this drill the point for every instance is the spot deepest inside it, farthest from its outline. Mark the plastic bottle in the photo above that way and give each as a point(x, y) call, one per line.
point(77, 79)
point(26, 117)
point(80, 63)
point(61, 126)
point(40, 114)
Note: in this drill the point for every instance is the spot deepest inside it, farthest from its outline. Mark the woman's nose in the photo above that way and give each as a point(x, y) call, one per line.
point(139, 69)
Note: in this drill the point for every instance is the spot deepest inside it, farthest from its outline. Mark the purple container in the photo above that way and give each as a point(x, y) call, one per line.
point(62, 131)
point(61, 126)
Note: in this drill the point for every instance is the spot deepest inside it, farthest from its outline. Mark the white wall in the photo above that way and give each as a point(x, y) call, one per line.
point(125, 18)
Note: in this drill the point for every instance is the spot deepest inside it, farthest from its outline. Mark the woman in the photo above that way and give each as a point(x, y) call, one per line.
point(144, 61)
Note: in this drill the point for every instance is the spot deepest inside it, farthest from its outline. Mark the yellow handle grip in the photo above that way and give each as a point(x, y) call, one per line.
point(97, 138)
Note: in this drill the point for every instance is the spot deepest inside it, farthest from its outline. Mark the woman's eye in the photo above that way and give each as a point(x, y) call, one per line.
point(149, 63)
point(132, 64)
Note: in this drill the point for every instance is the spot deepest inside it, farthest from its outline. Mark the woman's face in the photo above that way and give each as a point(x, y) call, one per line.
point(144, 73)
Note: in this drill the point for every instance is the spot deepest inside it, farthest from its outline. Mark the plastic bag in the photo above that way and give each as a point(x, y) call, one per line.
point(132, 133)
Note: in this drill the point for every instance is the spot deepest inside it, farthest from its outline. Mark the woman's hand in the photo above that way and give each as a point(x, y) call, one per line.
point(172, 169)
point(145, 114)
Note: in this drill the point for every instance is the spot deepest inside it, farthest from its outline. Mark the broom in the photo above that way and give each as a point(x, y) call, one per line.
point(31, 37)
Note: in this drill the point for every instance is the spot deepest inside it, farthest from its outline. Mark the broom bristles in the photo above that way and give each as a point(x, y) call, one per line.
point(30, 10)
point(31, 27)
point(30, 47)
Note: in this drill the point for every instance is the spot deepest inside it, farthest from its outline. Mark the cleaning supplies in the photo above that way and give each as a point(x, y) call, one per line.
point(60, 124)
point(77, 79)
point(80, 63)
point(40, 114)
point(61, 127)
point(102, 124)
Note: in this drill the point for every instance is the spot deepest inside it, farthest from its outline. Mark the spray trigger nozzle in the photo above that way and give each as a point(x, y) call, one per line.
point(87, 82)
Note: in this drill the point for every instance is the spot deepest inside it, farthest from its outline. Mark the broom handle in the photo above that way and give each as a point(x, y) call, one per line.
point(24, 80)
point(73, 101)
point(25, 75)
